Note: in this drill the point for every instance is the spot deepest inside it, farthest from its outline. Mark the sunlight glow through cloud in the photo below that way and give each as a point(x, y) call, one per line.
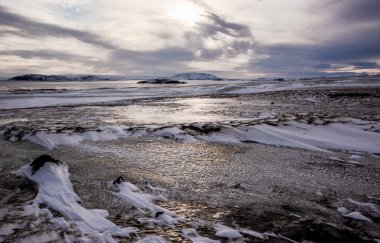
point(187, 13)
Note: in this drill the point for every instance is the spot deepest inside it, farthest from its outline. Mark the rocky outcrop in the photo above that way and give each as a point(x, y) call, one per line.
point(161, 81)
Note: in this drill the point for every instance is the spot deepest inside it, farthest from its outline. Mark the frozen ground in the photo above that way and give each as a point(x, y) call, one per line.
point(225, 162)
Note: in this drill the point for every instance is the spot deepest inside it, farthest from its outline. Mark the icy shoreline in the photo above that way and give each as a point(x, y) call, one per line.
point(92, 94)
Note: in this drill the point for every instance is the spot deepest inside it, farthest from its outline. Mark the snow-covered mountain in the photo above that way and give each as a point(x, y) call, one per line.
point(196, 76)
point(40, 77)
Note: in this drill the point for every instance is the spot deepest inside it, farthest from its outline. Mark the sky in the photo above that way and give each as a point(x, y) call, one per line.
point(233, 39)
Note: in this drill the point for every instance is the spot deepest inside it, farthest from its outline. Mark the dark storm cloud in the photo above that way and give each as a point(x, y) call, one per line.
point(322, 66)
point(365, 65)
point(218, 24)
point(358, 10)
point(232, 38)
point(359, 43)
point(352, 39)
point(27, 27)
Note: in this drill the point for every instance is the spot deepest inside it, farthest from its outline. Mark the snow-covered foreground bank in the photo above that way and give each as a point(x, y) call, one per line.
point(37, 94)
point(343, 134)
point(76, 223)
point(55, 190)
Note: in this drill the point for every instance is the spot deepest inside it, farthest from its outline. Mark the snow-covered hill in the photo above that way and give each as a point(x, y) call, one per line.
point(196, 76)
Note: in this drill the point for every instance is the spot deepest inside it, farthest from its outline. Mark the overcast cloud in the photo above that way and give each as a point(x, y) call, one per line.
point(242, 38)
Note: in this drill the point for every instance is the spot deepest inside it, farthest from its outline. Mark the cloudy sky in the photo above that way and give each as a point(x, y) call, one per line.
point(240, 38)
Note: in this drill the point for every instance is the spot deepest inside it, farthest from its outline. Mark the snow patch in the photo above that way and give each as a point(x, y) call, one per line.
point(357, 216)
point(132, 195)
point(342, 210)
point(253, 233)
point(152, 239)
point(56, 191)
point(226, 232)
point(192, 234)
point(372, 206)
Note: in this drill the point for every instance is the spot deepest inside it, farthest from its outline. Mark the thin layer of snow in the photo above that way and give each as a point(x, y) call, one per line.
point(60, 223)
point(7, 229)
point(133, 196)
point(56, 191)
point(333, 136)
point(356, 156)
point(42, 237)
point(226, 232)
point(343, 136)
point(192, 234)
point(286, 238)
point(174, 133)
point(299, 84)
point(357, 216)
point(342, 210)
point(51, 140)
point(253, 233)
point(372, 206)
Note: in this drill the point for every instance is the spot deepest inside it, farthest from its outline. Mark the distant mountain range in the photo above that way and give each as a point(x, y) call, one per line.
point(40, 77)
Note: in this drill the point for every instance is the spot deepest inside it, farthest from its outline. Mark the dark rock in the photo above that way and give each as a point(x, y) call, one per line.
point(205, 129)
point(41, 160)
point(161, 81)
point(240, 186)
point(118, 180)
point(158, 214)
point(278, 79)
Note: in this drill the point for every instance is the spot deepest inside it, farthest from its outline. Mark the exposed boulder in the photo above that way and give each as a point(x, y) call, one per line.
point(41, 160)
